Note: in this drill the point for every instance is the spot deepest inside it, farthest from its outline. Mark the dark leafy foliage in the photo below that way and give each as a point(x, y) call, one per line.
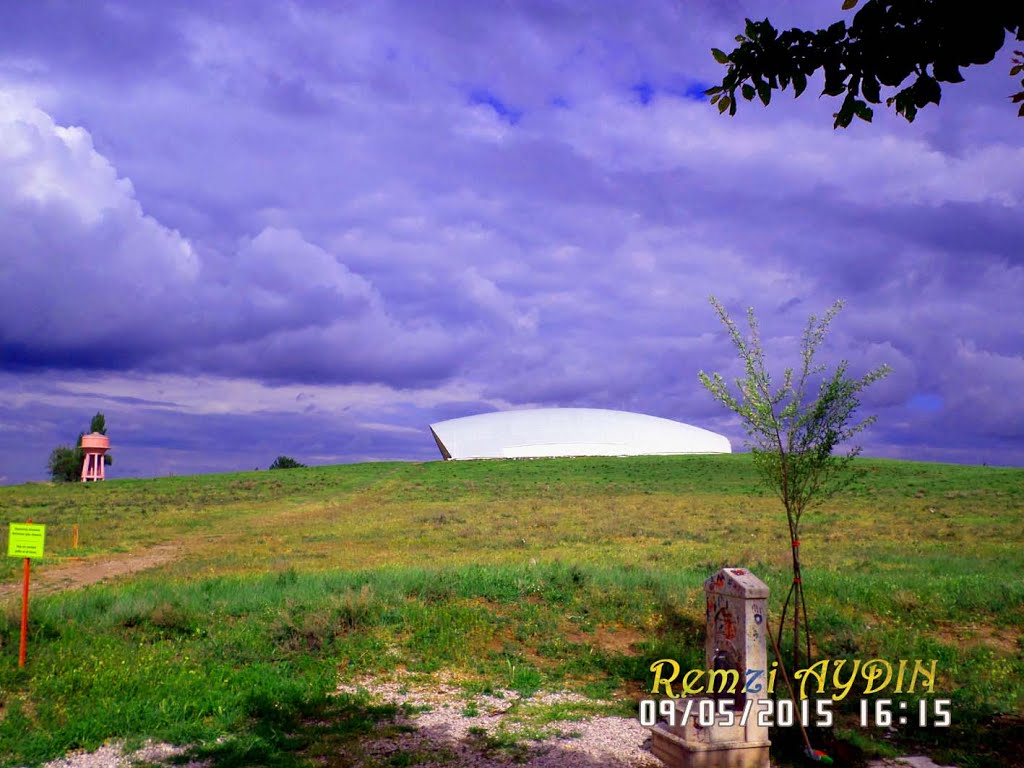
point(65, 464)
point(285, 462)
point(908, 46)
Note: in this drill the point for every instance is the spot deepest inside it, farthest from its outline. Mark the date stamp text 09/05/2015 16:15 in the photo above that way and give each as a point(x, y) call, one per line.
point(783, 713)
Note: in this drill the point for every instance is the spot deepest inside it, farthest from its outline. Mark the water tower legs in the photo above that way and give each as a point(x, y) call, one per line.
point(92, 466)
point(94, 446)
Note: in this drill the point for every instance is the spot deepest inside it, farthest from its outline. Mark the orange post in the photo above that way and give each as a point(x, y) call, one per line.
point(24, 615)
point(74, 542)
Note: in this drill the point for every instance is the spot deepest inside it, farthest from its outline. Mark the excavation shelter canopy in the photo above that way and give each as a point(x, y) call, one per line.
point(547, 432)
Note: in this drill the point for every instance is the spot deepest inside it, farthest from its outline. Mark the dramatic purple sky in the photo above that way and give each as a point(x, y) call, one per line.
point(245, 229)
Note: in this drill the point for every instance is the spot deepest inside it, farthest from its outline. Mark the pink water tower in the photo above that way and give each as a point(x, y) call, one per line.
point(94, 445)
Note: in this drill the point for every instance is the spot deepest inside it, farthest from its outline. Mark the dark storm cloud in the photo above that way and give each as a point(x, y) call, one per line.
point(459, 408)
point(159, 438)
point(102, 285)
point(112, 39)
point(418, 212)
point(972, 233)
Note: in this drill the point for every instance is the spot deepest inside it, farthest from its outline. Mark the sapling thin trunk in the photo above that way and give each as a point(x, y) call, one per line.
point(796, 611)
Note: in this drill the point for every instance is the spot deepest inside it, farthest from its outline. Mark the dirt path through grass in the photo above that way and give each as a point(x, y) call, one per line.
point(75, 573)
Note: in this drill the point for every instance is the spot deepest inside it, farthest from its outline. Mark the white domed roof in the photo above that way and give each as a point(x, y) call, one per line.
point(570, 432)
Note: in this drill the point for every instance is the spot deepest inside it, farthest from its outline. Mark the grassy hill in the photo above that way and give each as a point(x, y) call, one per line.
point(522, 575)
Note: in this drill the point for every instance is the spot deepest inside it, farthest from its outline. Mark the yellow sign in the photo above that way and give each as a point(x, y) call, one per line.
point(26, 540)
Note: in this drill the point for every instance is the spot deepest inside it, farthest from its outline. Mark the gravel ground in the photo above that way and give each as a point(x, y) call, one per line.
point(444, 735)
point(113, 756)
point(446, 731)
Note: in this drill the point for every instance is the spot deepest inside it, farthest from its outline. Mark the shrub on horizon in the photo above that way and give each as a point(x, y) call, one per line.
point(286, 462)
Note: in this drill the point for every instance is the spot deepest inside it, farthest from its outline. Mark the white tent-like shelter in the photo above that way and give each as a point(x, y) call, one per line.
point(544, 432)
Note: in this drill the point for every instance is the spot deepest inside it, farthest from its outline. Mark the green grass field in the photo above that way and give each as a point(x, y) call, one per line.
point(517, 575)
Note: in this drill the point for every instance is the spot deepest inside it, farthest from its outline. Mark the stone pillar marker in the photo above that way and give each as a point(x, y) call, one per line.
point(735, 626)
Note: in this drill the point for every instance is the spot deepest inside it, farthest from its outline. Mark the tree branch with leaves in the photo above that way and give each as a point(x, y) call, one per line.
point(793, 435)
point(909, 46)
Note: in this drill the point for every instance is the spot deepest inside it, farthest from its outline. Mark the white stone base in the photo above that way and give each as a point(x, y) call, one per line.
point(677, 752)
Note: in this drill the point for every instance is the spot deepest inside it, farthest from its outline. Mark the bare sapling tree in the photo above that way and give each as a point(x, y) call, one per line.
point(793, 436)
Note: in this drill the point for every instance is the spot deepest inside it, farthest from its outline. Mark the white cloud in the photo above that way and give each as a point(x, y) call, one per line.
point(93, 271)
point(71, 223)
point(869, 169)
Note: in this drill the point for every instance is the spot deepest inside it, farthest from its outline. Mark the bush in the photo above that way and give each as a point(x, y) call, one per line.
point(65, 464)
point(285, 462)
